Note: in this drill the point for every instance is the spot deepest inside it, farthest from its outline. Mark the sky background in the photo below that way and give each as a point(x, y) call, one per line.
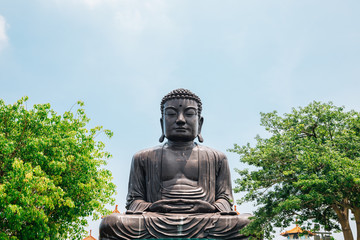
point(120, 57)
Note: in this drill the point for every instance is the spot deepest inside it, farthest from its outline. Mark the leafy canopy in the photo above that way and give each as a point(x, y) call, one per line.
point(51, 174)
point(308, 169)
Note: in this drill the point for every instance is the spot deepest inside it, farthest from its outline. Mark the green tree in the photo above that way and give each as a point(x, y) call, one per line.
point(308, 168)
point(51, 175)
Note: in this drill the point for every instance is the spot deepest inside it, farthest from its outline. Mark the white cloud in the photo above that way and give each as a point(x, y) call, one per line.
point(131, 20)
point(3, 36)
point(95, 3)
point(92, 4)
point(133, 16)
point(128, 16)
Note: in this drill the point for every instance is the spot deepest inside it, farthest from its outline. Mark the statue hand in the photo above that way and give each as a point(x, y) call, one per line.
point(201, 206)
point(182, 206)
point(170, 205)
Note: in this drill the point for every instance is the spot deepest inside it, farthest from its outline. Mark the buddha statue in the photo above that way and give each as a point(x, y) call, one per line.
point(180, 189)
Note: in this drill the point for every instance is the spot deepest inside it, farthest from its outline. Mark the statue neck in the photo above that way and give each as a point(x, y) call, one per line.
point(181, 145)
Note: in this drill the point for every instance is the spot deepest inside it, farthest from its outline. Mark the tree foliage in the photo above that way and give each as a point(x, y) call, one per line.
point(51, 174)
point(309, 169)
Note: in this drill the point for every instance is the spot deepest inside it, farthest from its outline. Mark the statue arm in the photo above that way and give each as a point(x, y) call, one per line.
point(136, 198)
point(223, 194)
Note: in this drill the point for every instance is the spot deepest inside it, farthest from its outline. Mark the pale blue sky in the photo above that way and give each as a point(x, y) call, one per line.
point(121, 56)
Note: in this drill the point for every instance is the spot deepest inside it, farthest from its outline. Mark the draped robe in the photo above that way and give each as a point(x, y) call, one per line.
point(145, 188)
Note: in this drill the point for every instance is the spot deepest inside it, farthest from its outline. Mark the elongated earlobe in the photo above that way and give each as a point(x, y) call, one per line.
point(161, 139)
point(200, 138)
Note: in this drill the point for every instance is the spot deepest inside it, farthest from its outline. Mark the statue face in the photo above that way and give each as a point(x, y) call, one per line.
point(180, 120)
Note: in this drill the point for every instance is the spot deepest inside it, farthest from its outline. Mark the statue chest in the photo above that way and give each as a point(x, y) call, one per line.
point(180, 166)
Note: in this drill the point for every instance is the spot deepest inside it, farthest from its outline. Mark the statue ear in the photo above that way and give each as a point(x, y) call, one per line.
point(200, 138)
point(162, 137)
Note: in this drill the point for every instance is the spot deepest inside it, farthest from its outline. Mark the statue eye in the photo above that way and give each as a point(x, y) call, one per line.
point(190, 112)
point(170, 112)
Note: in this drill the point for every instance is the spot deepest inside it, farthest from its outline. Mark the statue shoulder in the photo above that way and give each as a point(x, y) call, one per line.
point(211, 151)
point(147, 152)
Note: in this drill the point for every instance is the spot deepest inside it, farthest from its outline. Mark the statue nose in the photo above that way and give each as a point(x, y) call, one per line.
point(180, 119)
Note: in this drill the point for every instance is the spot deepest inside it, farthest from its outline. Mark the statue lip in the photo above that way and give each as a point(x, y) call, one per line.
point(181, 129)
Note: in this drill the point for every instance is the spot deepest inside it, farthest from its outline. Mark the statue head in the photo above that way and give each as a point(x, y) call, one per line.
point(181, 119)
